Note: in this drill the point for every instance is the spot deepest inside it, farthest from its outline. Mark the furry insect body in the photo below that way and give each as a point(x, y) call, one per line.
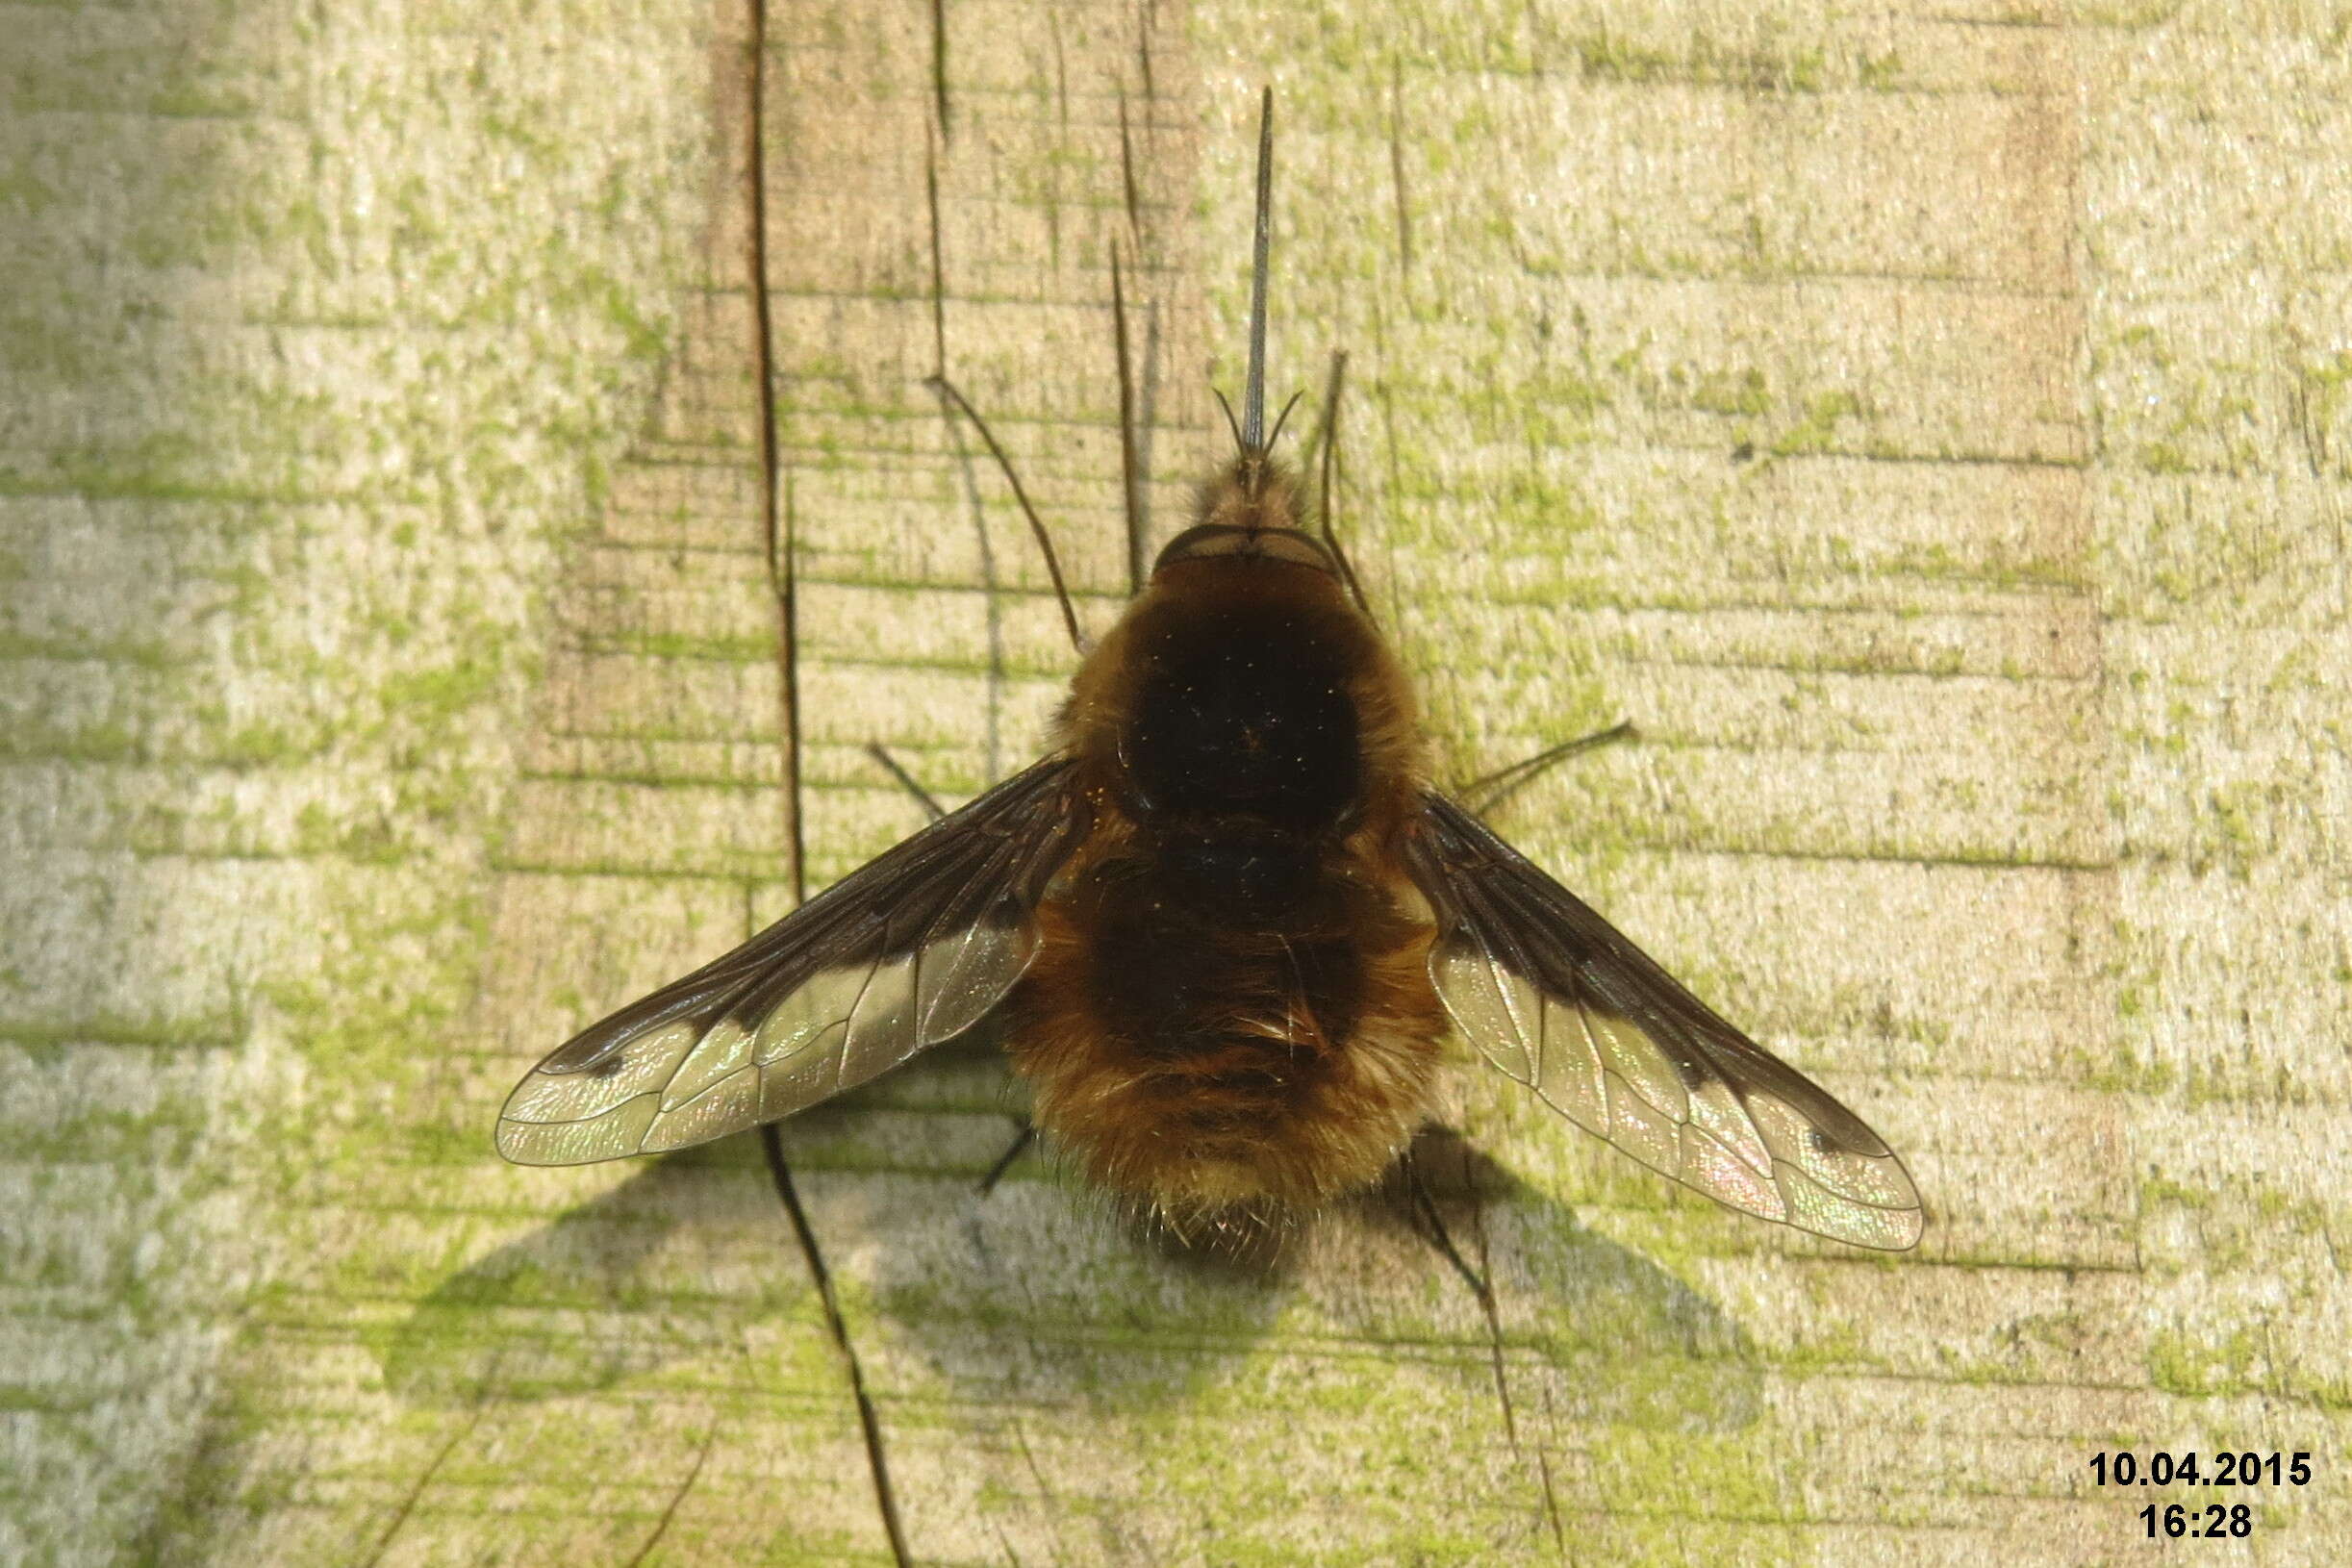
point(1230, 1008)
point(1225, 924)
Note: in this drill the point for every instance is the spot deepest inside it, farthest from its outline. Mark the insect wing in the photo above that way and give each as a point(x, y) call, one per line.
point(910, 950)
point(1558, 999)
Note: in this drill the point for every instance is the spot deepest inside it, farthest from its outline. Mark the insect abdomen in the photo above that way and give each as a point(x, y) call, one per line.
point(1204, 1064)
point(1231, 1007)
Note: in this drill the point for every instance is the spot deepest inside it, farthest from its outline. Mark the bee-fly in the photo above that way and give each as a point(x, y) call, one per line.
point(1225, 925)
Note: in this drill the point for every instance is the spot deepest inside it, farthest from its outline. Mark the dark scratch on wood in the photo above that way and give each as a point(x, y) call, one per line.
point(1130, 468)
point(1147, 403)
point(939, 374)
point(660, 1526)
point(1396, 164)
point(785, 579)
point(1126, 180)
point(779, 525)
point(1543, 1471)
point(1136, 426)
point(1045, 1487)
point(939, 258)
point(869, 1420)
point(1061, 124)
point(1386, 402)
point(1143, 45)
point(777, 522)
point(939, 68)
point(408, 1504)
point(1061, 75)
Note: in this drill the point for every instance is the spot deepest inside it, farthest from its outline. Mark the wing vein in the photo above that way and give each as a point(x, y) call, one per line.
point(1671, 1082)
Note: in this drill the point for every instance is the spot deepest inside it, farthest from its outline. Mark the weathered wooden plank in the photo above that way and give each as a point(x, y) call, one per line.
point(1927, 424)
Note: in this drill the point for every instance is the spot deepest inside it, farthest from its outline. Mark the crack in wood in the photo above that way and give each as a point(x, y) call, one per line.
point(1131, 472)
point(1396, 167)
point(869, 1420)
point(660, 1526)
point(939, 261)
point(779, 525)
point(939, 66)
point(776, 522)
point(408, 1504)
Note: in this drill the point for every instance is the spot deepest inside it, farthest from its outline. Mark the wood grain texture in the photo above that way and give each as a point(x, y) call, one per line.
point(1927, 424)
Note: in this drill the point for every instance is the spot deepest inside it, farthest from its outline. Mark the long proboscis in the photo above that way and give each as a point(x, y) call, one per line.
point(1254, 392)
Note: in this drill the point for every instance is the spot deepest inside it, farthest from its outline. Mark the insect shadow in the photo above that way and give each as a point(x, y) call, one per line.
point(1023, 1294)
point(640, 1278)
point(1026, 1294)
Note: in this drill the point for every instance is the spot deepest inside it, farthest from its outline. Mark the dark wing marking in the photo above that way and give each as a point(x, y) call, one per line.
point(1553, 995)
point(907, 951)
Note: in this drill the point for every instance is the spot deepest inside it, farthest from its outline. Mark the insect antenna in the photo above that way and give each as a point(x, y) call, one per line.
point(1230, 424)
point(1037, 526)
point(1284, 418)
point(1252, 431)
